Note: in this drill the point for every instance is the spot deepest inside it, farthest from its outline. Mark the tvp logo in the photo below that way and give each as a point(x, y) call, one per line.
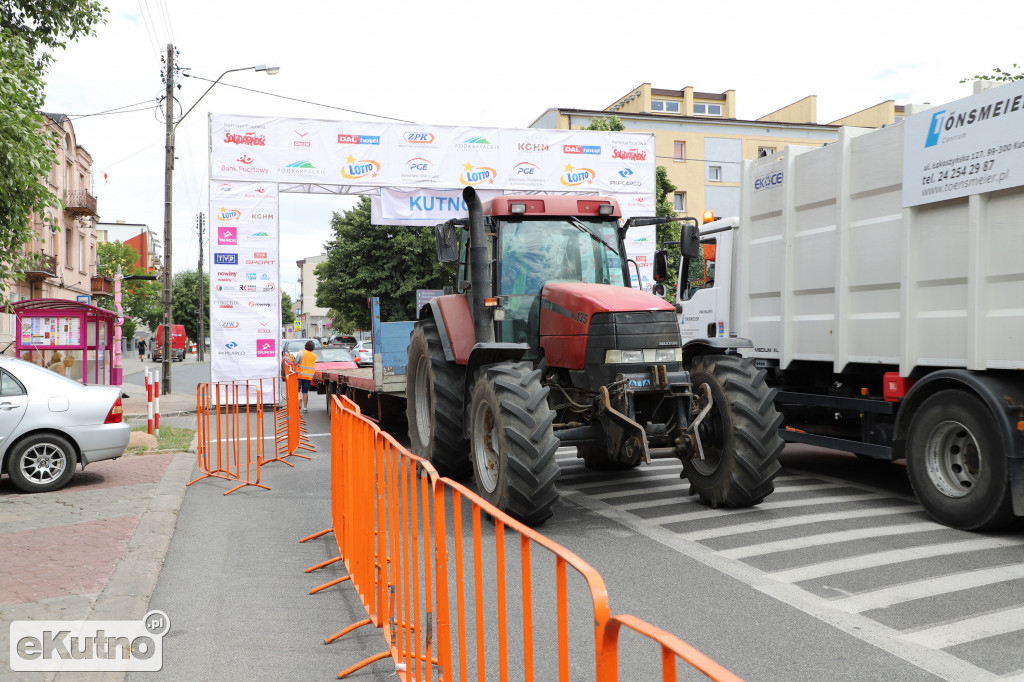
point(934, 129)
point(225, 258)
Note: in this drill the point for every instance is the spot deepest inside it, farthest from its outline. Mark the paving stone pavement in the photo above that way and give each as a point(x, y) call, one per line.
point(91, 551)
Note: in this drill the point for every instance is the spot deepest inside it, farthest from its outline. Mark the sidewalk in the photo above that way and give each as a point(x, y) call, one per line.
point(92, 550)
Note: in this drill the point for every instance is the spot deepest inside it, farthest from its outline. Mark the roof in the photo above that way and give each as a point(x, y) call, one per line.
point(42, 305)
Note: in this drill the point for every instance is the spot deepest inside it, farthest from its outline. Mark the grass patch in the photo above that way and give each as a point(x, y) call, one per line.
point(171, 437)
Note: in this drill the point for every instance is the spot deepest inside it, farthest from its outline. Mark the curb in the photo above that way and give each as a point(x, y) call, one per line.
point(128, 590)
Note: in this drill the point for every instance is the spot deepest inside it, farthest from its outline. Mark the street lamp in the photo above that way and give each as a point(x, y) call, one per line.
point(172, 126)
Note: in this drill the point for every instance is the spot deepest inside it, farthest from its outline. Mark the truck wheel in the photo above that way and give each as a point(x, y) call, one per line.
point(42, 463)
point(739, 434)
point(512, 441)
point(435, 400)
point(955, 464)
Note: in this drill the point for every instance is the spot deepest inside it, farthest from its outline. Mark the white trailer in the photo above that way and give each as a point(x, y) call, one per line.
point(880, 281)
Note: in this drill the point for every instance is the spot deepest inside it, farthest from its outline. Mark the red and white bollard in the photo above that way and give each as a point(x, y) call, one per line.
point(153, 401)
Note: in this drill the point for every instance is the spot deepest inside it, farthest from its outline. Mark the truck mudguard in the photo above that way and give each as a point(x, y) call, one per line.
point(714, 346)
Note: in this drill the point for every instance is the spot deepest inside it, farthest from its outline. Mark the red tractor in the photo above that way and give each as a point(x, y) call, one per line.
point(548, 345)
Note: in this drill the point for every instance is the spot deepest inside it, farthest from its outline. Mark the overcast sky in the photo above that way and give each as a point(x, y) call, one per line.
point(483, 64)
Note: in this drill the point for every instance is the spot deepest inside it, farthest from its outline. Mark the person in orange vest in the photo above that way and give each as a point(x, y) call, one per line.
point(306, 361)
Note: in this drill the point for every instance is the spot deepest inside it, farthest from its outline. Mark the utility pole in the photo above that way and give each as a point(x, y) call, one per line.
point(201, 220)
point(169, 66)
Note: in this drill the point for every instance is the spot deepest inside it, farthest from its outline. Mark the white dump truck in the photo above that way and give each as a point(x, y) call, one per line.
point(880, 282)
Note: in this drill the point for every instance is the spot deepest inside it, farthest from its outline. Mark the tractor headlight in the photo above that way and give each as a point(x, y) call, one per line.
point(668, 355)
point(632, 356)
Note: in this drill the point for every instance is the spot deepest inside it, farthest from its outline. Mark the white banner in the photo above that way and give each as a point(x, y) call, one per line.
point(422, 207)
point(245, 297)
point(354, 154)
point(966, 147)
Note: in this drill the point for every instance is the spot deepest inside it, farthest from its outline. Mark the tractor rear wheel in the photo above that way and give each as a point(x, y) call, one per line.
point(436, 396)
point(739, 435)
point(513, 445)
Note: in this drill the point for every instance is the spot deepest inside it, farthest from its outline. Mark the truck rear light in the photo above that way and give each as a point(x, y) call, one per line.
point(895, 387)
point(116, 414)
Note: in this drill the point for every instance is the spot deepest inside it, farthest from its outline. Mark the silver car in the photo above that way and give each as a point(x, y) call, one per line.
point(49, 423)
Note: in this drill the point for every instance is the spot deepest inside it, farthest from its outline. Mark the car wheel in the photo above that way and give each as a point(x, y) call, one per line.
point(42, 463)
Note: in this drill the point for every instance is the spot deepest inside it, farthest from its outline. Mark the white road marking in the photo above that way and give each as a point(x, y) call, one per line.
point(829, 539)
point(969, 629)
point(758, 526)
point(931, 587)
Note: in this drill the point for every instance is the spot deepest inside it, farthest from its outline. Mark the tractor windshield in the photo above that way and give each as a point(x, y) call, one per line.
point(533, 253)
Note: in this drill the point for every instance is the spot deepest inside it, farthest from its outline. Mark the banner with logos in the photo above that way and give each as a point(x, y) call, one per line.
point(245, 297)
point(367, 154)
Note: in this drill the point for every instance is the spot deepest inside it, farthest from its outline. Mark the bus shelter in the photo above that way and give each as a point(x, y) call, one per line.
point(67, 337)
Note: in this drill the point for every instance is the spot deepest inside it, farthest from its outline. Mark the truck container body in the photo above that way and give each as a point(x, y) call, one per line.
point(892, 325)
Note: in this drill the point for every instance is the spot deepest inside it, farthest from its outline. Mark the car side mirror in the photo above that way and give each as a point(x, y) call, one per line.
point(447, 247)
point(660, 266)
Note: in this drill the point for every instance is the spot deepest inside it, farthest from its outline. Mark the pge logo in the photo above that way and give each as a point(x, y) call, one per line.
point(525, 169)
point(418, 164)
point(934, 129)
point(225, 188)
point(356, 170)
point(225, 258)
point(228, 214)
point(477, 175)
point(574, 177)
point(415, 137)
point(227, 236)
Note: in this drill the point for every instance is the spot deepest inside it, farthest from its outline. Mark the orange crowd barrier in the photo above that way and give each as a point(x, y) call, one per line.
point(456, 598)
point(230, 440)
point(291, 433)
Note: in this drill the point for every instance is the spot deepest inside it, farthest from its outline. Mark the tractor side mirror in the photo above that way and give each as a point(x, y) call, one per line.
point(447, 246)
point(690, 236)
point(660, 266)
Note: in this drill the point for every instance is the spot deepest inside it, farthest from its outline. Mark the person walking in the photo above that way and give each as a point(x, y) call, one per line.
point(141, 345)
point(307, 367)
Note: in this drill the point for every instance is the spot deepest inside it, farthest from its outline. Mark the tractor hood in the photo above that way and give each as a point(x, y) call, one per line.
point(580, 301)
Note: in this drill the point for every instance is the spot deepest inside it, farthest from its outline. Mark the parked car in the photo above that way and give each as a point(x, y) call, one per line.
point(331, 359)
point(49, 424)
point(363, 353)
point(290, 347)
point(346, 341)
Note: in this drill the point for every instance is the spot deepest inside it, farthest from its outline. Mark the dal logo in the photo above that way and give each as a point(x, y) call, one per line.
point(574, 177)
point(228, 214)
point(356, 170)
point(358, 139)
point(477, 175)
point(227, 236)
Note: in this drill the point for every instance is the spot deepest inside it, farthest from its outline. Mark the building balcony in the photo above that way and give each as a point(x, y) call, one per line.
point(101, 285)
point(43, 267)
point(80, 202)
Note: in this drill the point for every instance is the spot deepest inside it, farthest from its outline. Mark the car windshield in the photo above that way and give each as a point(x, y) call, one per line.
point(332, 355)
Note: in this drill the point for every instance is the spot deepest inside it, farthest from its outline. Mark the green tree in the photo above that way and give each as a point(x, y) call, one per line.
point(140, 299)
point(389, 262)
point(185, 308)
point(27, 152)
point(610, 123)
point(287, 314)
point(997, 75)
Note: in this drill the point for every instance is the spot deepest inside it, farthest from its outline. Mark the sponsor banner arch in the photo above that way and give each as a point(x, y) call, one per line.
point(414, 175)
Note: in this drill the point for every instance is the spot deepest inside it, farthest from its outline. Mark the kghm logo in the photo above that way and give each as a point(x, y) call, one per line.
point(477, 175)
point(574, 177)
point(355, 170)
point(228, 214)
point(358, 139)
point(935, 129)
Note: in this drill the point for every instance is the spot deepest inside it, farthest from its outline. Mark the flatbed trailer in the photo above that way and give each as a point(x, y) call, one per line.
point(379, 391)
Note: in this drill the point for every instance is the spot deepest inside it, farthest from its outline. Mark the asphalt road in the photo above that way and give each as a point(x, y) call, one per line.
point(839, 574)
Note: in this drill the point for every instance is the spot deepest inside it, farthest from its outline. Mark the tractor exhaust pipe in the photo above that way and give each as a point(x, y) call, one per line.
point(479, 277)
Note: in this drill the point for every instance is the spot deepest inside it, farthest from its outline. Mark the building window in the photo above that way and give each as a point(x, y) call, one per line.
point(715, 173)
point(679, 203)
point(81, 254)
point(664, 105)
point(765, 151)
point(67, 247)
point(679, 152)
point(701, 109)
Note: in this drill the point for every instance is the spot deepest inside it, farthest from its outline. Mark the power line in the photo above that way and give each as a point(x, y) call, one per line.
point(116, 110)
point(303, 101)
